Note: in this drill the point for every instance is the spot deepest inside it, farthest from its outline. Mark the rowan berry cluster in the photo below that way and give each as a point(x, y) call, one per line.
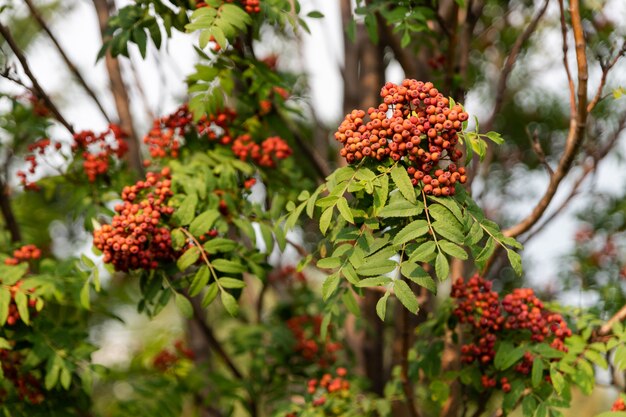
point(27, 385)
point(250, 6)
point(415, 124)
point(36, 149)
point(492, 319)
point(164, 139)
point(24, 254)
point(619, 405)
point(166, 358)
point(309, 346)
point(266, 154)
point(99, 151)
point(139, 236)
point(326, 389)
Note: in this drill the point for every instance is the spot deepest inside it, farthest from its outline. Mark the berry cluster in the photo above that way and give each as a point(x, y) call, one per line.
point(98, 151)
point(165, 359)
point(492, 319)
point(266, 154)
point(28, 386)
point(138, 236)
point(250, 6)
point(14, 313)
point(414, 124)
point(24, 254)
point(38, 148)
point(164, 138)
point(309, 346)
point(326, 389)
point(619, 405)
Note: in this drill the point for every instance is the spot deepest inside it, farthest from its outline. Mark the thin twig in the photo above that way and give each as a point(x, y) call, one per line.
point(605, 72)
point(617, 317)
point(6, 34)
point(576, 131)
point(536, 146)
point(120, 94)
point(73, 69)
point(510, 62)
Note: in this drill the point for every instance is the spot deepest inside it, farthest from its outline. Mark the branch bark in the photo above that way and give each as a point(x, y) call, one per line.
point(576, 132)
point(120, 94)
point(510, 62)
point(39, 18)
point(6, 34)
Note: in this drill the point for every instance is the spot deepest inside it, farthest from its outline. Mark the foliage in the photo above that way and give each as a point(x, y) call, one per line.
point(215, 231)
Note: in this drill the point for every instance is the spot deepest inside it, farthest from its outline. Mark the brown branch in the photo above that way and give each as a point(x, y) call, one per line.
point(402, 55)
point(605, 72)
point(212, 340)
point(536, 147)
point(588, 169)
point(568, 72)
point(617, 317)
point(510, 62)
point(6, 34)
point(120, 94)
point(39, 18)
point(576, 131)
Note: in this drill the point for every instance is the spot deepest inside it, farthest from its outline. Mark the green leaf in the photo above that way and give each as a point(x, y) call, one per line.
point(200, 280)
point(558, 382)
point(344, 210)
point(475, 234)
point(187, 210)
point(350, 302)
point(219, 244)
point(178, 239)
point(495, 137)
point(228, 267)
point(53, 368)
point(4, 344)
point(202, 224)
point(451, 204)
point(442, 268)
point(377, 268)
point(188, 258)
point(411, 231)
point(315, 14)
point(184, 305)
point(487, 251)
point(374, 282)
point(329, 263)
point(405, 295)
point(209, 296)
point(516, 261)
point(329, 286)
point(416, 273)
point(594, 357)
point(268, 237)
point(227, 282)
point(66, 378)
point(537, 372)
point(325, 219)
point(453, 249)
point(424, 252)
point(529, 405)
point(507, 355)
point(230, 303)
point(84, 296)
point(401, 208)
point(141, 39)
point(381, 306)
point(451, 230)
point(403, 182)
point(21, 300)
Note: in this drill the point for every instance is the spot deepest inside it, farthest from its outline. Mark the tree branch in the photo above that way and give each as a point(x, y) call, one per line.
point(39, 18)
point(575, 135)
point(608, 326)
point(407, 386)
point(6, 34)
point(510, 62)
point(605, 72)
point(120, 94)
